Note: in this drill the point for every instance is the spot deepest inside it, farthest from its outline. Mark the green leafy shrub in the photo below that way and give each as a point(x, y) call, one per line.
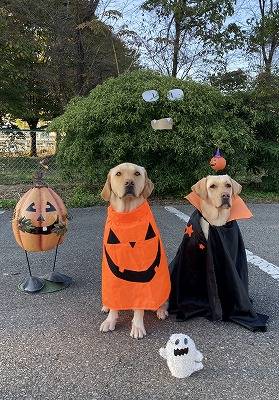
point(112, 125)
point(259, 107)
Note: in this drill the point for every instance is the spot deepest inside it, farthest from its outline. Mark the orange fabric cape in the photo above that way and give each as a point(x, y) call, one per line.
point(135, 272)
point(239, 210)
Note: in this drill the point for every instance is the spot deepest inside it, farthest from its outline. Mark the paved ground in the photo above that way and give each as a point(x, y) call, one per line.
point(51, 347)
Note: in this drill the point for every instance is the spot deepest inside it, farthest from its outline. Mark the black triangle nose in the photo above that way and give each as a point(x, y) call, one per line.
point(132, 244)
point(40, 218)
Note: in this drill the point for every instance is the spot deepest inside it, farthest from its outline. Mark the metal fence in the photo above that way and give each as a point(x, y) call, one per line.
point(17, 167)
point(17, 143)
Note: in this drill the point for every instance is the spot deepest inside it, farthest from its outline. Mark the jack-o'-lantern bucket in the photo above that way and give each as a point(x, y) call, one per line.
point(39, 224)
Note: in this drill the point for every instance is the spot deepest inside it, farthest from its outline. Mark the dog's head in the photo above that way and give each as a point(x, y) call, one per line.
point(217, 190)
point(127, 180)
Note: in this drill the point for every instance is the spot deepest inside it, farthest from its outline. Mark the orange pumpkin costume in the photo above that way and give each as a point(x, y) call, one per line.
point(135, 272)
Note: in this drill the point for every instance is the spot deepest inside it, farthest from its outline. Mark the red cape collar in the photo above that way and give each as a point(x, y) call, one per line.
point(239, 210)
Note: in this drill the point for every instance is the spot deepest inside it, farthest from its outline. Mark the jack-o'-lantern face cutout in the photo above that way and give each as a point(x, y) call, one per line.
point(40, 219)
point(133, 255)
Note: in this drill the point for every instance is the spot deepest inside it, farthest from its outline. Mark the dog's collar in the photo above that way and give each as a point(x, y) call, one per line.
point(239, 210)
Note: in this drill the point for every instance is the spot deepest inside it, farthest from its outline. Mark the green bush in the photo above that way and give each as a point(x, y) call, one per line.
point(112, 125)
point(260, 109)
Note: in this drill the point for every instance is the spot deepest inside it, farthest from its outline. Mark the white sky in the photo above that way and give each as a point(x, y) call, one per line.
point(134, 18)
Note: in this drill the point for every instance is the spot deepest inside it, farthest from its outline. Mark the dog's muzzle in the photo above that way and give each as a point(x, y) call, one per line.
point(226, 201)
point(129, 190)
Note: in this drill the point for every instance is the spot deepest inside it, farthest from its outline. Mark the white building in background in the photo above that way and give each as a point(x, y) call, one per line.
point(18, 143)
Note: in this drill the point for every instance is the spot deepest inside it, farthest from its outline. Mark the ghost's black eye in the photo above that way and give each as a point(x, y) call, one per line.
point(112, 238)
point(150, 233)
point(177, 341)
point(185, 341)
point(50, 207)
point(31, 208)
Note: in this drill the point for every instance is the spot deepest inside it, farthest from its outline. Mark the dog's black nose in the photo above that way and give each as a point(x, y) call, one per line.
point(129, 183)
point(226, 196)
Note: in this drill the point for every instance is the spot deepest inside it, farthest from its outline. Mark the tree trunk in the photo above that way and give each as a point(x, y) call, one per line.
point(80, 63)
point(176, 47)
point(33, 125)
point(80, 69)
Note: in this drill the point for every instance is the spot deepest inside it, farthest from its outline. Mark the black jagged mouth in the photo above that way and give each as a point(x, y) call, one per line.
point(135, 276)
point(43, 230)
point(181, 352)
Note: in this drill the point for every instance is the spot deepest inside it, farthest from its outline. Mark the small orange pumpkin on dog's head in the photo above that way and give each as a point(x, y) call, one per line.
point(40, 219)
point(218, 162)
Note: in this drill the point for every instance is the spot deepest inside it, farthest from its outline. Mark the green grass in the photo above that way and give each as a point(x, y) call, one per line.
point(255, 196)
point(20, 170)
point(74, 191)
point(7, 203)
point(83, 197)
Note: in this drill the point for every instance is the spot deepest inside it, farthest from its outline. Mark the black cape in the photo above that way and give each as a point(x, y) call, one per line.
point(210, 278)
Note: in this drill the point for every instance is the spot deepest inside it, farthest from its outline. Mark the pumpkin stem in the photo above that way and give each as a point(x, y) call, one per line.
point(38, 179)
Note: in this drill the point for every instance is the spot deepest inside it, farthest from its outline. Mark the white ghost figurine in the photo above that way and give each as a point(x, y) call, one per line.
point(182, 356)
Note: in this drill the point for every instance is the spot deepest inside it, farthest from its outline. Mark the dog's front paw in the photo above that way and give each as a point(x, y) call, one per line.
point(105, 309)
point(108, 325)
point(137, 332)
point(162, 312)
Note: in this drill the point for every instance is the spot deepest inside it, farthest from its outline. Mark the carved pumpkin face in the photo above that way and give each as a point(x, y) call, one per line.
point(134, 270)
point(217, 163)
point(40, 220)
point(144, 248)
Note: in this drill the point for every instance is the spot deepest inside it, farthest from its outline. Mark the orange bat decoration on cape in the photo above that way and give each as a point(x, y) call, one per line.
point(135, 272)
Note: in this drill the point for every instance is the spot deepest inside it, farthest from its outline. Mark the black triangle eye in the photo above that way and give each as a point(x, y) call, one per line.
point(31, 208)
point(150, 233)
point(112, 238)
point(50, 207)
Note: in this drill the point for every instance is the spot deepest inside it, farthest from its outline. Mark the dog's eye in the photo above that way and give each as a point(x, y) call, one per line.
point(118, 173)
point(176, 342)
point(212, 186)
point(150, 233)
point(228, 185)
point(137, 173)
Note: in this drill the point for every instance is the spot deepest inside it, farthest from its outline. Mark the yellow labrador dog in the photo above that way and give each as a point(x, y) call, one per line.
point(126, 188)
point(216, 193)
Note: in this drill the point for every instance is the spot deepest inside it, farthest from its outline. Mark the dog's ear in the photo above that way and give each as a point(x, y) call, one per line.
point(148, 186)
point(236, 187)
point(200, 188)
point(106, 191)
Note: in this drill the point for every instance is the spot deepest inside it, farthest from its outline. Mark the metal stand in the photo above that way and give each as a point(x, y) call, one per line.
point(57, 277)
point(32, 284)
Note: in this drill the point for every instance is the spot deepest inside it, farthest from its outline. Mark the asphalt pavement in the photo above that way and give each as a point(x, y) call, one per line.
point(51, 347)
